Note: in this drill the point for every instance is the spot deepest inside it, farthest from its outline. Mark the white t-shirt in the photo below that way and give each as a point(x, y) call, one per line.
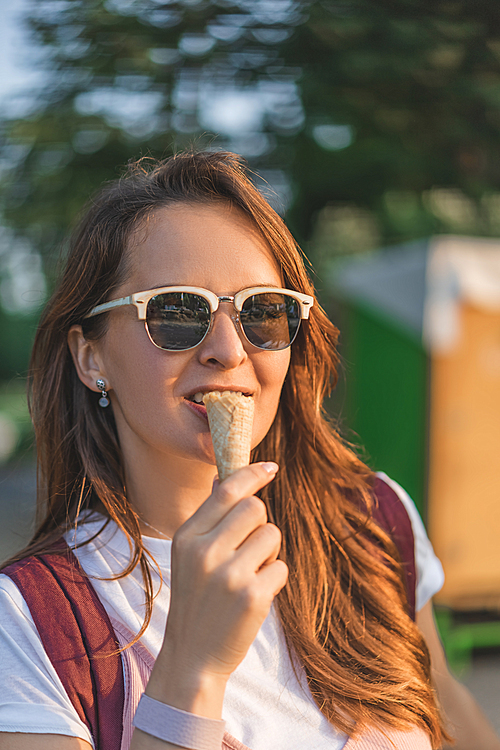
point(265, 704)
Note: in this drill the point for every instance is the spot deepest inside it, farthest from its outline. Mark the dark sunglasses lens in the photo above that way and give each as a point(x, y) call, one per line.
point(270, 320)
point(177, 320)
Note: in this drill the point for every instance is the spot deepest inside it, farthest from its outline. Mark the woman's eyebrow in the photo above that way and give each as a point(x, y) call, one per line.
point(255, 286)
point(252, 286)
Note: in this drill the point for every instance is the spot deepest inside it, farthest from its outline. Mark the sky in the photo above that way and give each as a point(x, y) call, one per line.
point(17, 67)
point(22, 284)
point(21, 279)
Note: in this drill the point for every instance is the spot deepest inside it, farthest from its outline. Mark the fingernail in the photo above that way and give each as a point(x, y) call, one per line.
point(270, 467)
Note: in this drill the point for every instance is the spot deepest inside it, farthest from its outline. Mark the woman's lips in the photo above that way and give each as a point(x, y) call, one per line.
point(200, 409)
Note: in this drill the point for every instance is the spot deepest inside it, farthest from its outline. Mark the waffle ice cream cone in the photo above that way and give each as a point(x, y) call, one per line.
point(230, 417)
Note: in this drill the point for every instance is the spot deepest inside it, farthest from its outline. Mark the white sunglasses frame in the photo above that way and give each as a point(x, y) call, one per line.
point(141, 299)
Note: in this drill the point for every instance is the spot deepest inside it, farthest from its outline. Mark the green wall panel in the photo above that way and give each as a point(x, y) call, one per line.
point(385, 400)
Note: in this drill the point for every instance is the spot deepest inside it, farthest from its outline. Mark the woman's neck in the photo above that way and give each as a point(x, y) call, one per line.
point(167, 491)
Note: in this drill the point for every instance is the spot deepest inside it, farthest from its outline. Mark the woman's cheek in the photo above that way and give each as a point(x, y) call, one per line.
point(270, 396)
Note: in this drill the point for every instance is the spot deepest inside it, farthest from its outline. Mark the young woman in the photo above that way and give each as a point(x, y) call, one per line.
point(288, 611)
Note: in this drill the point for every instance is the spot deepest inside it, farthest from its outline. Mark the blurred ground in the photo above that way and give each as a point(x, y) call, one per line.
point(17, 493)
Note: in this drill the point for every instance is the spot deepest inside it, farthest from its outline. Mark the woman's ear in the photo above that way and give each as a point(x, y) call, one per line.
point(86, 358)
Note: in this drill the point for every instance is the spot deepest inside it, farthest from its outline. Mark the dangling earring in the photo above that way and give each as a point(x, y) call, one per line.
point(104, 400)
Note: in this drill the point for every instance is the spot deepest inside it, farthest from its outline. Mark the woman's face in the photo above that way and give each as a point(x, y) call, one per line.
point(217, 248)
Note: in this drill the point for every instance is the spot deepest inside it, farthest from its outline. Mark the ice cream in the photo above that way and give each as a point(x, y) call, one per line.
point(230, 417)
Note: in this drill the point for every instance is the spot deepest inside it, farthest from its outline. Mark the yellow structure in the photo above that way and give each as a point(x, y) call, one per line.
point(464, 419)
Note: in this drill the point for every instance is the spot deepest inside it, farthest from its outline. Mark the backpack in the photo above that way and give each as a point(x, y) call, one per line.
point(85, 657)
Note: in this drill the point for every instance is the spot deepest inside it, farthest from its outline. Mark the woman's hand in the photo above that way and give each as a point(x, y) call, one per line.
point(225, 575)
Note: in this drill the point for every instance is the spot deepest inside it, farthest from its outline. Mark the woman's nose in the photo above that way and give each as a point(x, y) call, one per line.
point(224, 344)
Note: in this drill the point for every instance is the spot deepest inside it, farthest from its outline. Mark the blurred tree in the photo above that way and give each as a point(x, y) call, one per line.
point(367, 105)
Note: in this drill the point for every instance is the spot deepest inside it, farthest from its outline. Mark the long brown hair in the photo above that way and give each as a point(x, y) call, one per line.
point(343, 610)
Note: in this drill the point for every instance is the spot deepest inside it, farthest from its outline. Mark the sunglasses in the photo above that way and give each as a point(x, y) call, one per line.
point(178, 318)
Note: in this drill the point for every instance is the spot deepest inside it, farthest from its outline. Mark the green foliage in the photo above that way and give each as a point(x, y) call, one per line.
point(16, 337)
point(390, 108)
point(16, 432)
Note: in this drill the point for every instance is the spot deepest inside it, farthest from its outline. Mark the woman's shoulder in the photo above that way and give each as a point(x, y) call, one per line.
point(405, 500)
point(31, 695)
point(429, 571)
point(12, 603)
point(66, 609)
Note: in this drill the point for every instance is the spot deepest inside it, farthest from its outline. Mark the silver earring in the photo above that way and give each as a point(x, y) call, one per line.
point(104, 400)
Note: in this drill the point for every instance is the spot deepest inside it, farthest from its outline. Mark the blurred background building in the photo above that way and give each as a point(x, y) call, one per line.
point(422, 397)
point(368, 125)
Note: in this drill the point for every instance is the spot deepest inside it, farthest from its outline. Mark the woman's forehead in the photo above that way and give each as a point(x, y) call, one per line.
point(193, 243)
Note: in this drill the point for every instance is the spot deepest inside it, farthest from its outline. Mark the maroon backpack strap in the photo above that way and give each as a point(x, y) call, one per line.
point(78, 638)
point(390, 513)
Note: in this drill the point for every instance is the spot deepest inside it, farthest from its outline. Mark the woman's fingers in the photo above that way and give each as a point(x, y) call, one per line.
point(225, 574)
point(243, 483)
point(273, 576)
point(245, 517)
point(228, 521)
point(260, 547)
